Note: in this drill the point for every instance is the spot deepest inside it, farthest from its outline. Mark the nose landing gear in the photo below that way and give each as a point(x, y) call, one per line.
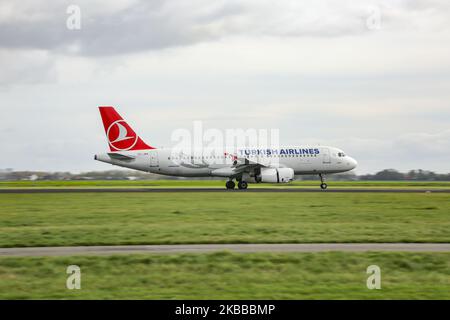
point(323, 185)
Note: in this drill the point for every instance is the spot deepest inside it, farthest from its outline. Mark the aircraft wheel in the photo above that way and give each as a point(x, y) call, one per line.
point(230, 184)
point(242, 185)
point(324, 186)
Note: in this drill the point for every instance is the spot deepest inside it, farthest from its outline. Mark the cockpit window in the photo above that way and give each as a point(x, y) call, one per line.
point(341, 154)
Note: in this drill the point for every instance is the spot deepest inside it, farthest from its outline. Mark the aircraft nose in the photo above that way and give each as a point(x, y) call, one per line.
point(352, 162)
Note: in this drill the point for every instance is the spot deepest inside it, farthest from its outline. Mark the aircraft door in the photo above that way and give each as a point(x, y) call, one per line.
point(326, 155)
point(154, 158)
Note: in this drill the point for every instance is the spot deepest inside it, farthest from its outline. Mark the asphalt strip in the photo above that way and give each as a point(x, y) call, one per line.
point(243, 248)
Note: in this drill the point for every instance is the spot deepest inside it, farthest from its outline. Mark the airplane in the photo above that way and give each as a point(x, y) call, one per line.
point(255, 165)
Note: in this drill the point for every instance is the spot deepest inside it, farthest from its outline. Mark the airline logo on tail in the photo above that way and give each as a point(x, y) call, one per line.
point(121, 137)
point(118, 138)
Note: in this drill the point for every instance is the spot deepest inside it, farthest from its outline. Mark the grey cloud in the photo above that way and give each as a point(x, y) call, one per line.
point(144, 25)
point(150, 25)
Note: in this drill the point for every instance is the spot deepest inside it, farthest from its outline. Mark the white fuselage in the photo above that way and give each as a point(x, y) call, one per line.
point(204, 163)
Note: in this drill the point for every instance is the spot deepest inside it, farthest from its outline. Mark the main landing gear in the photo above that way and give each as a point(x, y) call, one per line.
point(242, 185)
point(230, 184)
point(323, 185)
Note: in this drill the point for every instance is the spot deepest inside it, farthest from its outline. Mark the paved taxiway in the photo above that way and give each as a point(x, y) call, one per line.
point(119, 190)
point(204, 248)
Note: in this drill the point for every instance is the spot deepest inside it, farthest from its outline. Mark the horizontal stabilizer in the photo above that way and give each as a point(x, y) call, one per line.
point(121, 157)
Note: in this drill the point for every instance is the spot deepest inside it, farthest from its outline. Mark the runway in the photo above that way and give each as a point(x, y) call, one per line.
point(156, 190)
point(242, 248)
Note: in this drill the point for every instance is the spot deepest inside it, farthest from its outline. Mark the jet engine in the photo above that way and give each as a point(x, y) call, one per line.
point(275, 175)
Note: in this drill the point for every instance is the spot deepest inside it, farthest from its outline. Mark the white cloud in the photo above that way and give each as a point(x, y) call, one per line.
point(25, 67)
point(406, 152)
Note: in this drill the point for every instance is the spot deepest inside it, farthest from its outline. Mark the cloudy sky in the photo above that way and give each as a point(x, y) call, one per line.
point(371, 77)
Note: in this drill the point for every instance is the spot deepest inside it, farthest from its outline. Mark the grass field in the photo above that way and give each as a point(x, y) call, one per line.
point(223, 275)
point(164, 218)
point(229, 217)
point(219, 184)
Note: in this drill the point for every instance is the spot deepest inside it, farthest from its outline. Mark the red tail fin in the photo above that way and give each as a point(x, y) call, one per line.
point(121, 137)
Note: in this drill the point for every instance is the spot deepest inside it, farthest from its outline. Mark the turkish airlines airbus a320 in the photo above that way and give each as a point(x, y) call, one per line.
point(270, 165)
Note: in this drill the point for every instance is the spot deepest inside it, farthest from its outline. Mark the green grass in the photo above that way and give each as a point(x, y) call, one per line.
point(222, 275)
point(219, 184)
point(229, 217)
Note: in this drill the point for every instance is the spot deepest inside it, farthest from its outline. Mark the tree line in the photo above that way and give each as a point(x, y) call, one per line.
point(384, 175)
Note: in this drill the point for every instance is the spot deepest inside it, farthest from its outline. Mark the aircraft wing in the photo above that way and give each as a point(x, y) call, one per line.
point(241, 164)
